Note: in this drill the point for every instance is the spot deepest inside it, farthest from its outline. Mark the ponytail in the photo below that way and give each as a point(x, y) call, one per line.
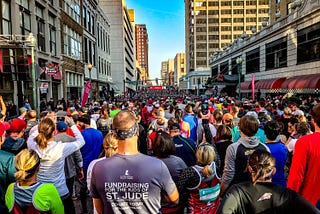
point(207, 171)
point(46, 128)
point(26, 163)
point(262, 164)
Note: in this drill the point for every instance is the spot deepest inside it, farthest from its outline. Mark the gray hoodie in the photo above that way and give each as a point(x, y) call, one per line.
point(230, 159)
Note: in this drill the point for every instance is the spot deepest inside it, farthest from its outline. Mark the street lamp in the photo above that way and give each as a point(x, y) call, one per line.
point(239, 63)
point(31, 42)
point(89, 66)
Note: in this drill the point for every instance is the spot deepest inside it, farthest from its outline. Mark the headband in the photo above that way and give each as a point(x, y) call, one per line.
point(127, 133)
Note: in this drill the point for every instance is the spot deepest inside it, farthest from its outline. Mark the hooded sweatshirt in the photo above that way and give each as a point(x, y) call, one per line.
point(236, 159)
point(14, 145)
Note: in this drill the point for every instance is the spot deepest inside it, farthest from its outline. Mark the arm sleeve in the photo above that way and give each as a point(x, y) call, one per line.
point(48, 198)
point(298, 166)
point(31, 143)
point(94, 193)
point(11, 170)
point(230, 203)
point(229, 164)
point(166, 181)
point(77, 156)
point(69, 148)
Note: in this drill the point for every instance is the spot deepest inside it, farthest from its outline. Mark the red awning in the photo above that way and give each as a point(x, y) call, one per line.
point(302, 82)
point(247, 85)
point(270, 83)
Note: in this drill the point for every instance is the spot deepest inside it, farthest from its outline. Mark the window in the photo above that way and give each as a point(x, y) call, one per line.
point(25, 22)
point(253, 61)
point(41, 29)
point(309, 44)
point(72, 42)
point(224, 67)
point(84, 17)
point(86, 50)
point(53, 40)
point(276, 54)
point(72, 8)
point(6, 18)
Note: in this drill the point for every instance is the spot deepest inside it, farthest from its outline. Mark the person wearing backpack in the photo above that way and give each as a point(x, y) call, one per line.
point(104, 122)
point(199, 185)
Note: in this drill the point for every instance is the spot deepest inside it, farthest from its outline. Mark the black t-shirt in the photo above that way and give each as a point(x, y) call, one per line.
point(263, 198)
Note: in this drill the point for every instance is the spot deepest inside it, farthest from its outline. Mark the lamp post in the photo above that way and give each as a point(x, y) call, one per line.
point(239, 63)
point(89, 66)
point(31, 42)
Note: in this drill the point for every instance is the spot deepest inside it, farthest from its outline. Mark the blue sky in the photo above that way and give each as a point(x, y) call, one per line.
point(165, 25)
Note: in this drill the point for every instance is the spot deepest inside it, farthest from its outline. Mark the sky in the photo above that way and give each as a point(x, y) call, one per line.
point(164, 20)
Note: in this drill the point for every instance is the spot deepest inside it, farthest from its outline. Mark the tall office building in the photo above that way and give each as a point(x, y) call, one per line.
point(179, 67)
point(164, 72)
point(280, 9)
point(142, 47)
point(123, 67)
point(212, 24)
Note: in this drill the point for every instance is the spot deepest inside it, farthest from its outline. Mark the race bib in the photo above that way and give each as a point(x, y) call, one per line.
point(209, 194)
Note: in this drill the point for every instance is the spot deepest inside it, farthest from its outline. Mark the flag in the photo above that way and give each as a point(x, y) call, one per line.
point(252, 85)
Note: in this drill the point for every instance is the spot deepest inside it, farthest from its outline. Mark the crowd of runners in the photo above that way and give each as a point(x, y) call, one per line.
point(160, 154)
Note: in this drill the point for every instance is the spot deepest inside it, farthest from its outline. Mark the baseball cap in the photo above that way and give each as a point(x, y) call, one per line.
point(253, 114)
point(4, 127)
point(61, 126)
point(227, 117)
point(149, 101)
point(61, 114)
point(17, 125)
point(298, 113)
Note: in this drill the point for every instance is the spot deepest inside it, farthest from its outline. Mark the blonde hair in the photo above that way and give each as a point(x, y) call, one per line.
point(205, 155)
point(110, 144)
point(26, 162)
point(46, 128)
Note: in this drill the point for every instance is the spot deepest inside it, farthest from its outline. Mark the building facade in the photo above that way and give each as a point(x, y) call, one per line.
point(19, 19)
point(215, 24)
point(179, 68)
point(283, 57)
point(164, 72)
point(142, 47)
point(71, 48)
point(122, 43)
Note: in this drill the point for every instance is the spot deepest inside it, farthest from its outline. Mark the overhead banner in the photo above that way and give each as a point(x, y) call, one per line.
point(86, 92)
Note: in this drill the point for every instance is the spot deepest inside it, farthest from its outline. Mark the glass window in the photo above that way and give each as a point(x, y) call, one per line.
point(253, 61)
point(276, 54)
point(309, 44)
point(6, 18)
point(25, 23)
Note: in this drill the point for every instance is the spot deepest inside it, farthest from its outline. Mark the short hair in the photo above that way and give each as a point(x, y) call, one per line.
point(303, 128)
point(188, 109)
point(124, 119)
point(223, 133)
point(218, 115)
point(163, 145)
point(272, 130)
point(248, 125)
point(287, 111)
point(315, 114)
point(32, 114)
